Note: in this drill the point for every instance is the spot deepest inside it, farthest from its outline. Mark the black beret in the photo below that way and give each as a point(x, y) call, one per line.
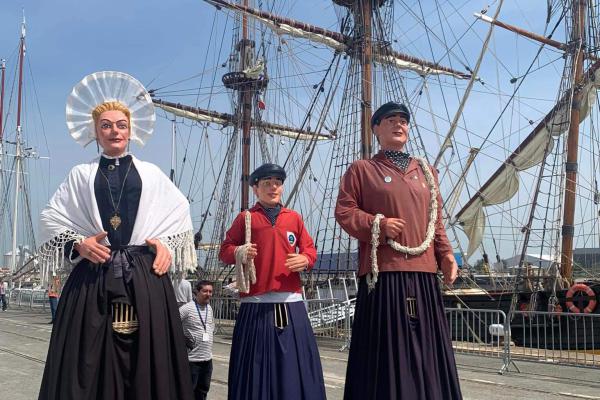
point(267, 171)
point(388, 109)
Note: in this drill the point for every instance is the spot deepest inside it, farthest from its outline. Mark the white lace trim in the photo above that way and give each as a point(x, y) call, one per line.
point(52, 253)
point(429, 235)
point(245, 271)
point(183, 252)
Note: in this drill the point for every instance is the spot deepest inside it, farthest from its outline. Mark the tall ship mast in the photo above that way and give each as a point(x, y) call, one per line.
point(17, 233)
point(516, 151)
point(336, 120)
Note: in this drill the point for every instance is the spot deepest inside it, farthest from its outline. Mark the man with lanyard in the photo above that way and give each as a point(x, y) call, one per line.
point(198, 329)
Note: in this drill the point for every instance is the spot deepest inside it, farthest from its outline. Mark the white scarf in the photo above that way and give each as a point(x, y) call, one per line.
point(73, 214)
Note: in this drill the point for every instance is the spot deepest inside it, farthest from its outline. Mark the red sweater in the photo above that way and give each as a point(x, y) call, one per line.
point(273, 244)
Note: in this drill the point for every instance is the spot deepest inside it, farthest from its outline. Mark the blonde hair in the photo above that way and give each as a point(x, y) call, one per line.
point(110, 106)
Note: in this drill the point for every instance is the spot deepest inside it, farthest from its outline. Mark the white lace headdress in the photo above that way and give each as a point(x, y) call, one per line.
point(102, 87)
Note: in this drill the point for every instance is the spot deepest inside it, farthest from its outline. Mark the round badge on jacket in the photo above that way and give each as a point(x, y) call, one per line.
point(291, 238)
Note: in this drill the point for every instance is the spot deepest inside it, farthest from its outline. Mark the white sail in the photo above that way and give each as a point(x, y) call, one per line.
point(504, 183)
point(337, 41)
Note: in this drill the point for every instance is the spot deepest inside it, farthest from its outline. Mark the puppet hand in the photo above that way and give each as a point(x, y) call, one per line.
point(391, 227)
point(296, 262)
point(251, 253)
point(91, 249)
point(162, 261)
point(449, 269)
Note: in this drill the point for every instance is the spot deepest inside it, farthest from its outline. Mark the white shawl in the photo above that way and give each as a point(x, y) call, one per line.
point(72, 214)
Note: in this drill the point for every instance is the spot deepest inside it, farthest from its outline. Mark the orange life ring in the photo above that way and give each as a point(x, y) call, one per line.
point(580, 287)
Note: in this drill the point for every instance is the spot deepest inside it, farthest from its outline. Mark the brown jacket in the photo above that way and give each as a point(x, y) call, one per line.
point(364, 192)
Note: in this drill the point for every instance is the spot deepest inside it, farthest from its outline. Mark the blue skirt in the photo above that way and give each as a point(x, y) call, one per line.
point(271, 363)
point(401, 348)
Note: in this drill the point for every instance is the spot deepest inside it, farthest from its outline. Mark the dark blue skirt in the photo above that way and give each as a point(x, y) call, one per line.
point(399, 349)
point(271, 363)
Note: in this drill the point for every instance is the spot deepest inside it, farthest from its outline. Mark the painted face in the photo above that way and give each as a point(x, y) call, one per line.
point(392, 132)
point(269, 190)
point(112, 131)
point(203, 296)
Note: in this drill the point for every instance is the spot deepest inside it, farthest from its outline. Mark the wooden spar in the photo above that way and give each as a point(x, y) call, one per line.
point(578, 90)
point(280, 20)
point(367, 77)
point(246, 104)
point(379, 52)
point(568, 228)
point(534, 36)
point(3, 68)
point(21, 56)
point(231, 120)
point(522, 32)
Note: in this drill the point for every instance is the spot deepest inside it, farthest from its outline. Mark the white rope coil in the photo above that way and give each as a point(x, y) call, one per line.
point(244, 269)
point(413, 251)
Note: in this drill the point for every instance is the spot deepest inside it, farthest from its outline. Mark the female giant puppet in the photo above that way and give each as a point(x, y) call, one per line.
point(400, 345)
point(121, 223)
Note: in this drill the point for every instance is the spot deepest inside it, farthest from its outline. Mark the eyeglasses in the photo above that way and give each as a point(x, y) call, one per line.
point(268, 182)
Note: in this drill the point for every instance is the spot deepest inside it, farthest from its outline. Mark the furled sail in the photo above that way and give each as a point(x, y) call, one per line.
point(504, 183)
point(338, 41)
point(223, 119)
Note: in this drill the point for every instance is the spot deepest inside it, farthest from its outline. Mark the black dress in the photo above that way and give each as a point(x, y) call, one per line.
point(86, 358)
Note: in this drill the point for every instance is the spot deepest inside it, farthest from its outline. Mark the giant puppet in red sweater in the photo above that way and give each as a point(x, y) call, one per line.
point(274, 352)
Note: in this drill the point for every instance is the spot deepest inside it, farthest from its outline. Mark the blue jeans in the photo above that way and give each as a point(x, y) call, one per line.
point(53, 306)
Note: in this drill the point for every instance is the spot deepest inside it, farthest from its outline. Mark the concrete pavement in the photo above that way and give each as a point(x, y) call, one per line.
point(24, 337)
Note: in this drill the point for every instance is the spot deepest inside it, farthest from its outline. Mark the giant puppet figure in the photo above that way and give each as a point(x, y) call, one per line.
point(274, 354)
point(400, 347)
point(122, 224)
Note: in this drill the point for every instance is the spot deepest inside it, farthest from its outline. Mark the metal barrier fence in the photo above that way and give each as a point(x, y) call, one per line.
point(332, 318)
point(28, 298)
point(225, 311)
point(561, 338)
point(480, 332)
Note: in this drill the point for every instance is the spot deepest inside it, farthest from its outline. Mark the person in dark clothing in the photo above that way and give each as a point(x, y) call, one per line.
point(400, 347)
point(3, 295)
point(122, 223)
